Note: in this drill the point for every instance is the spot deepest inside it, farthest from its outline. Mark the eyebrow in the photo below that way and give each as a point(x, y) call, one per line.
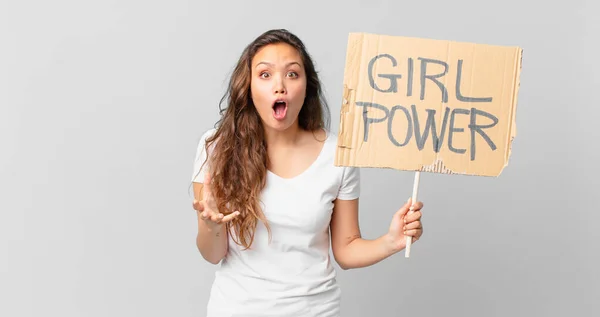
point(271, 65)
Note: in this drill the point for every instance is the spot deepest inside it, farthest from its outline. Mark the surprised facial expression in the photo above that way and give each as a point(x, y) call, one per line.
point(278, 85)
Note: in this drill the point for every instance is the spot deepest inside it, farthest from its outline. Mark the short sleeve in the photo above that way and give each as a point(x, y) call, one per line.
point(200, 167)
point(350, 185)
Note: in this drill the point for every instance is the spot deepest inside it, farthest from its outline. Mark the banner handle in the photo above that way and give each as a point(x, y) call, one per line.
point(414, 199)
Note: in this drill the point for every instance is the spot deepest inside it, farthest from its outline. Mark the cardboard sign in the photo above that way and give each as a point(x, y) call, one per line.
point(428, 105)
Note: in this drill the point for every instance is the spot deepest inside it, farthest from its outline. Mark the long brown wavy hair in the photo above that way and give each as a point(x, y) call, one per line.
point(238, 160)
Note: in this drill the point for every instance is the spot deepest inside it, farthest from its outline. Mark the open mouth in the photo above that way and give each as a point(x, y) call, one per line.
point(279, 109)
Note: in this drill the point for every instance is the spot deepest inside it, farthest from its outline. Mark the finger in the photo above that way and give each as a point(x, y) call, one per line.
point(411, 232)
point(412, 217)
point(416, 206)
point(198, 205)
point(216, 218)
point(418, 234)
point(231, 216)
point(412, 225)
point(205, 215)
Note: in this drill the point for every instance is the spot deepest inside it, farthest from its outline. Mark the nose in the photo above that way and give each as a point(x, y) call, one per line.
point(279, 86)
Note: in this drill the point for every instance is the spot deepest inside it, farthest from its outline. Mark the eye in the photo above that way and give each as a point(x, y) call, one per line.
point(293, 74)
point(264, 75)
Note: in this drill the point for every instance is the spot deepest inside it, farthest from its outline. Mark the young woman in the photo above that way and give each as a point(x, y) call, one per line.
point(269, 198)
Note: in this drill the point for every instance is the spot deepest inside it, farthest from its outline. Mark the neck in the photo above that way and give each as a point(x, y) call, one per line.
point(287, 137)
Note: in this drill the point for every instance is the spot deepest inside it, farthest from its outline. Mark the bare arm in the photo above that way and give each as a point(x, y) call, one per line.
point(211, 239)
point(352, 251)
point(349, 248)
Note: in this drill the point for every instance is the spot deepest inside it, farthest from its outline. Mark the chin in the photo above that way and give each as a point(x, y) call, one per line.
point(279, 125)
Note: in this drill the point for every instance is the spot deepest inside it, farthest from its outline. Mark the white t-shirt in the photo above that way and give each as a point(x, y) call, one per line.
point(293, 275)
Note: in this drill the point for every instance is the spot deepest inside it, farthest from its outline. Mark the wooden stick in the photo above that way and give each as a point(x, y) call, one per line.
point(414, 199)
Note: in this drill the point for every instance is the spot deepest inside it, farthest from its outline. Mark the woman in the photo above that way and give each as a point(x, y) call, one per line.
point(269, 195)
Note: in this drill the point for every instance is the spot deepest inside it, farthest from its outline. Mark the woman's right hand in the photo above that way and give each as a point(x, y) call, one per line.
point(208, 210)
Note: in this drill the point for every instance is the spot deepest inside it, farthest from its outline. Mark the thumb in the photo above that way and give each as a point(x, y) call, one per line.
point(206, 185)
point(405, 209)
point(207, 178)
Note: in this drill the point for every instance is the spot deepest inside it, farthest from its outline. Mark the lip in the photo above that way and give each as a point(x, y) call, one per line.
point(280, 116)
point(279, 100)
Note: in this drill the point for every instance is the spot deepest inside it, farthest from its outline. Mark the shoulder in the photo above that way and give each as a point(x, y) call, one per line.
point(201, 141)
point(201, 157)
point(208, 133)
point(348, 177)
point(330, 148)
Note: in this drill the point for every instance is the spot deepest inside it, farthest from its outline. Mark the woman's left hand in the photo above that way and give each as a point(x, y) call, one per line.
point(405, 222)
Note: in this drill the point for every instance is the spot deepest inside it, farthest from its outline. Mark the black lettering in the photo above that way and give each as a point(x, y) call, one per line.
point(392, 77)
point(430, 125)
point(438, 141)
point(479, 129)
point(452, 129)
point(368, 120)
point(424, 62)
point(459, 96)
point(448, 122)
point(408, 127)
